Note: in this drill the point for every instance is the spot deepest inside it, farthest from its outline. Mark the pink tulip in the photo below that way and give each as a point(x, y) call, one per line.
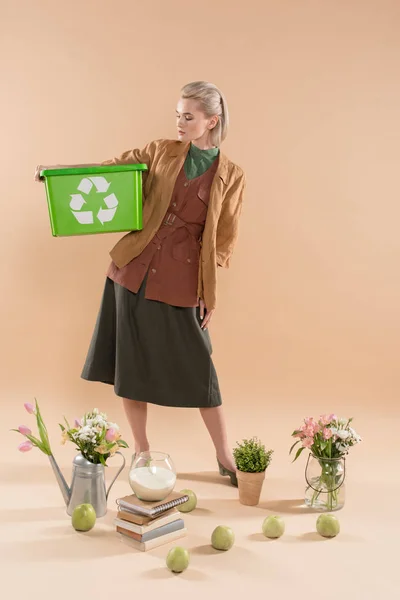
point(24, 430)
point(25, 446)
point(78, 423)
point(332, 417)
point(111, 434)
point(29, 408)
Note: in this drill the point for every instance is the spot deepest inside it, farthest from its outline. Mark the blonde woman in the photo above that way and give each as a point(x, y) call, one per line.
point(151, 339)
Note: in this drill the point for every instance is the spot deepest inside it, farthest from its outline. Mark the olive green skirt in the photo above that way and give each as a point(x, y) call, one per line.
point(151, 351)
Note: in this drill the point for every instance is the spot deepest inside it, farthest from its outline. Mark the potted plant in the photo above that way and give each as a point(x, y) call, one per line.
point(251, 460)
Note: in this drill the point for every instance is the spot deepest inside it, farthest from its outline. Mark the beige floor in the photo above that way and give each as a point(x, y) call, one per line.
point(43, 557)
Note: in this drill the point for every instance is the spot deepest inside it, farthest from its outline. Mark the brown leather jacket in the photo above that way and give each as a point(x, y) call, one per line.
point(164, 159)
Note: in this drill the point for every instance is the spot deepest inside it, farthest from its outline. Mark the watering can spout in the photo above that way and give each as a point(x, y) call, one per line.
point(64, 487)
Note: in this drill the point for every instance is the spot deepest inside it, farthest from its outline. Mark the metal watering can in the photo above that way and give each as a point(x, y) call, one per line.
point(87, 486)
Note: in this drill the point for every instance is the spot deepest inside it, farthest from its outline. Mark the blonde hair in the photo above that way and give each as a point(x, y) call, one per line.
point(212, 102)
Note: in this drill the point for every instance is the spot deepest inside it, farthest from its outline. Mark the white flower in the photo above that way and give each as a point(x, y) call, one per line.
point(354, 435)
point(343, 434)
point(84, 430)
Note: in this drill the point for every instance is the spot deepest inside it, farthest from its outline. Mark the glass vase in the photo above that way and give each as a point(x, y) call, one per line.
point(152, 475)
point(325, 477)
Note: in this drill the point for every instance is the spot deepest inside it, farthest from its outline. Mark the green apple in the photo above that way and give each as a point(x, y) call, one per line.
point(177, 559)
point(190, 504)
point(222, 538)
point(83, 517)
point(273, 526)
point(328, 525)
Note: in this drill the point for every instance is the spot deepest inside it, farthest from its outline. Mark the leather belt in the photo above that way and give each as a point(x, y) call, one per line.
point(172, 220)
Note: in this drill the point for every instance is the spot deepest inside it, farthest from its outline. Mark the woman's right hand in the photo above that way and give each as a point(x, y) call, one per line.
point(37, 173)
point(42, 167)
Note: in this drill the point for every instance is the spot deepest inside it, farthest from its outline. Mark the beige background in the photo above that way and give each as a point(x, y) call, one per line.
point(307, 320)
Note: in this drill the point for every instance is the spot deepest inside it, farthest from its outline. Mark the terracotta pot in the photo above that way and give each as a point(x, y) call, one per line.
point(250, 485)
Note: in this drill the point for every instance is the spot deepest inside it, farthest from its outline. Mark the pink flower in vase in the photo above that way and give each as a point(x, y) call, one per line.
point(307, 442)
point(325, 419)
point(111, 434)
point(309, 431)
point(24, 430)
point(25, 446)
point(317, 428)
point(78, 423)
point(332, 417)
point(327, 433)
point(29, 408)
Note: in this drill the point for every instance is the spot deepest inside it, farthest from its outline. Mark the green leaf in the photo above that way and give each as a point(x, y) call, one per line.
point(38, 443)
point(42, 430)
point(38, 415)
point(43, 435)
point(299, 451)
point(295, 444)
point(62, 427)
point(122, 444)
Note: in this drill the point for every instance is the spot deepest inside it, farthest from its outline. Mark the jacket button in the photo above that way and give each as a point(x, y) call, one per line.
point(174, 204)
point(158, 247)
point(186, 184)
point(153, 271)
point(188, 259)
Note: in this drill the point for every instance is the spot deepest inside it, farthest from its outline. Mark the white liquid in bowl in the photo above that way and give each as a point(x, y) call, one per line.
point(152, 483)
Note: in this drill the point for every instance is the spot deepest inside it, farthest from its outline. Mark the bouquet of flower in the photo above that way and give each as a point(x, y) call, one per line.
point(95, 437)
point(328, 439)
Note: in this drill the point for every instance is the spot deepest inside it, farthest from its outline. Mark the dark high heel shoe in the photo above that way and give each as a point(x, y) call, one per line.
point(224, 471)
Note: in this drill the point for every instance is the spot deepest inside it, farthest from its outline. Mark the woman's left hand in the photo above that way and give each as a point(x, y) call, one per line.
point(209, 314)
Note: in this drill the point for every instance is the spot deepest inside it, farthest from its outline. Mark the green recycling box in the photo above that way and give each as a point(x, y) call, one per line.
point(102, 199)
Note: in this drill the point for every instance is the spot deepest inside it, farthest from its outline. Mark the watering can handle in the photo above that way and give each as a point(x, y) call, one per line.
point(111, 484)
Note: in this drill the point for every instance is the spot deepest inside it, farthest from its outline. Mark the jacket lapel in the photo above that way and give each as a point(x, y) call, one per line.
point(179, 149)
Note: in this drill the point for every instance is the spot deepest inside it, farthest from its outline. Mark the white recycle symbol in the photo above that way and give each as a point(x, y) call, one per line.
point(85, 217)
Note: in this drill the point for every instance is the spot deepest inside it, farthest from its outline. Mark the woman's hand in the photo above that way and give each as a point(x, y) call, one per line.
point(209, 314)
point(43, 167)
point(37, 173)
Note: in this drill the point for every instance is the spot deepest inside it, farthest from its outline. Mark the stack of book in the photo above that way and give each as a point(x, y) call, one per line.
point(147, 525)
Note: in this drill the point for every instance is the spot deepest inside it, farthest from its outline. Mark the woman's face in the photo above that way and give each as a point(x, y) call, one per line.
point(192, 123)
